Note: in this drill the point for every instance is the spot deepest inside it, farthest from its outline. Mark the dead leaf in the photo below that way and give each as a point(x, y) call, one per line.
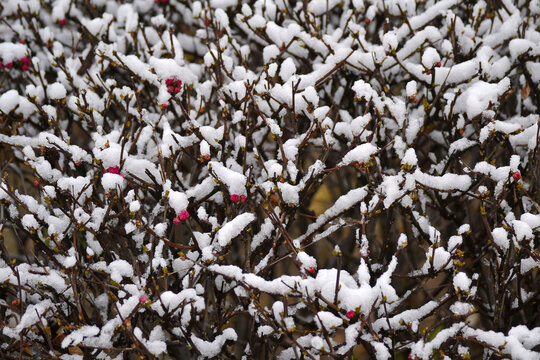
point(525, 91)
point(75, 350)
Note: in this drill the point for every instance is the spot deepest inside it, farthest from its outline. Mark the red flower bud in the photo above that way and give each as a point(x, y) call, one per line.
point(9, 65)
point(113, 169)
point(516, 175)
point(350, 314)
point(235, 197)
point(62, 22)
point(311, 269)
point(143, 298)
point(184, 215)
point(36, 183)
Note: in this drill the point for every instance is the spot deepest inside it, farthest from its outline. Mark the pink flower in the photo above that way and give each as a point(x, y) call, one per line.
point(243, 198)
point(62, 22)
point(178, 82)
point(143, 298)
point(25, 60)
point(1, 65)
point(36, 183)
point(311, 269)
point(350, 314)
point(9, 65)
point(184, 215)
point(24, 67)
point(235, 197)
point(170, 89)
point(113, 169)
point(176, 90)
point(169, 81)
point(176, 221)
point(517, 175)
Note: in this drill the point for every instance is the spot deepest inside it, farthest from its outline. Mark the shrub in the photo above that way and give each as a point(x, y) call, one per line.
point(291, 179)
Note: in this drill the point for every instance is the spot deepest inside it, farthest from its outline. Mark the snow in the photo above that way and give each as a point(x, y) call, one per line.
point(33, 313)
point(233, 228)
point(342, 204)
point(410, 158)
point(119, 269)
point(308, 262)
point(461, 308)
point(289, 193)
point(430, 58)
point(134, 206)
point(56, 91)
point(178, 201)
point(111, 181)
point(462, 282)
point(9, 101)
point(390, 40)
point(328, 320)
point(11, 52)
point(361, 154)
point(265, 232)
point(441, 112)
point(522, 230)
point(235, 182)
point(287, 69)
point(76, 337)
point(479, 96)
point(411, 88)
point(212, 349)
point(500, 237)
point(447, 182)
point(29, 222)
point(78, 187)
